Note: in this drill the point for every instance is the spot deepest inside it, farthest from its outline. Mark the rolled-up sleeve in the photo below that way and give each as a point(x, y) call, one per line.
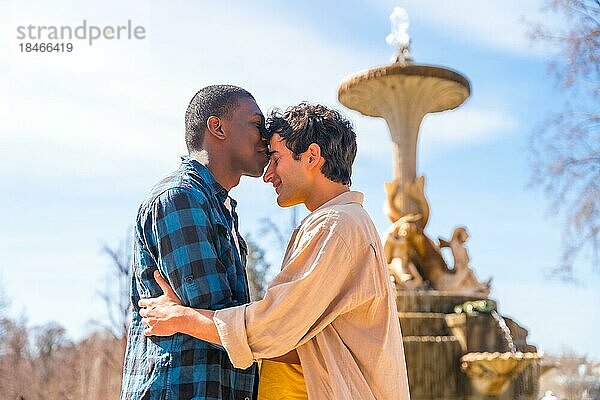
point(314, 287)
point(231, 325)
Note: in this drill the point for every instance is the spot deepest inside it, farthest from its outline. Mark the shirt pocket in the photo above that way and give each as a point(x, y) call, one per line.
point(225, 249)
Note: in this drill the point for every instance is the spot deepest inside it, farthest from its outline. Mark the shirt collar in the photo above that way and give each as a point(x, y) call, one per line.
point(344, 198)
point(215, 187)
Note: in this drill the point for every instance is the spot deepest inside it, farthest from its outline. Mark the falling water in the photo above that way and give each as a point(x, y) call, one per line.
point(505, 330)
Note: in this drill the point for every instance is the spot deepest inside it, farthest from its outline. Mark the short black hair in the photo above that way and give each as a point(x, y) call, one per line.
point(217, 100)
point(304, 124)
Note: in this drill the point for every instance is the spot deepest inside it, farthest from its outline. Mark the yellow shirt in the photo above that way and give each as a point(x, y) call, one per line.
point(281, 381)
point(334, 303)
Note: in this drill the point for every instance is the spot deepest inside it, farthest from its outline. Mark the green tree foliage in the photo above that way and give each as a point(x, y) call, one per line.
point(257, 268)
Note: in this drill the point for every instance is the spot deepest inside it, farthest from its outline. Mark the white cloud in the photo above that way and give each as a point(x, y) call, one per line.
point(114, 101)
point(103, 102)
point(457, 128)
point(464, 127)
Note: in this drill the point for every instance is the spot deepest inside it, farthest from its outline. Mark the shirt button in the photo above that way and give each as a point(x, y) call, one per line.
point(189, 279)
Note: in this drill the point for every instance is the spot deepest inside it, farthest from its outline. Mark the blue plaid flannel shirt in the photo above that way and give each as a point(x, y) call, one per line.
point(183, 229)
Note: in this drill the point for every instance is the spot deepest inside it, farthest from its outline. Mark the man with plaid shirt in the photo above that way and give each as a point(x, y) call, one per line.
point(187, 229)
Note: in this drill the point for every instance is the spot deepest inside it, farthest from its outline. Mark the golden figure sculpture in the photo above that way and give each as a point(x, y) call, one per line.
point(464, 279)
point(415, 261)
point(397, 249)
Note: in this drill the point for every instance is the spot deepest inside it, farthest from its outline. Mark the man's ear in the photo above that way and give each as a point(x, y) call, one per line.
point(314, 158)
point(214, 126)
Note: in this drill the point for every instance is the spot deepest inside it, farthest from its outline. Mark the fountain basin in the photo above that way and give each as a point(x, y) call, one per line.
point(491, 373)
point(442, 88)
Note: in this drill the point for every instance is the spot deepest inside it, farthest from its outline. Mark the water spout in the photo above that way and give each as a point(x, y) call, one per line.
point(502, 324)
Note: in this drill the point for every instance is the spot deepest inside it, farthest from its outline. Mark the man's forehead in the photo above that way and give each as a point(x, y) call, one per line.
point(276, 143)
point(248, 106)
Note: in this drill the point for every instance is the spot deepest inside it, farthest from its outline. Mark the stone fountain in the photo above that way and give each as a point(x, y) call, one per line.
point(457, 346)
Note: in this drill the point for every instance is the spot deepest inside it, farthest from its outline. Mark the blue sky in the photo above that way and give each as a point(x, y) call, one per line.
point(86, 134)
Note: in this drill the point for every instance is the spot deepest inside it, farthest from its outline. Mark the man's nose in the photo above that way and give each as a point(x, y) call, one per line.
point(269, 173)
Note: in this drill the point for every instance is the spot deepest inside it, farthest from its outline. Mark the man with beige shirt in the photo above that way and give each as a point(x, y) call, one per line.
point(332, 305)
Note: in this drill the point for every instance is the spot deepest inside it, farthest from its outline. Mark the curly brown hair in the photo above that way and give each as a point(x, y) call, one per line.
point(301, 125)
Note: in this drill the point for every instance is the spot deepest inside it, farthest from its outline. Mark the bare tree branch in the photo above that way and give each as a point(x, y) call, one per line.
point(115, 294)
point(565, 149)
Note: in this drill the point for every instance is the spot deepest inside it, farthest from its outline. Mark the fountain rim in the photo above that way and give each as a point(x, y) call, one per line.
point(408, 69)
point(487, 356)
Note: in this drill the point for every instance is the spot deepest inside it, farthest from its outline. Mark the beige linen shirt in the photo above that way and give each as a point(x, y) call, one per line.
point(333, 302)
